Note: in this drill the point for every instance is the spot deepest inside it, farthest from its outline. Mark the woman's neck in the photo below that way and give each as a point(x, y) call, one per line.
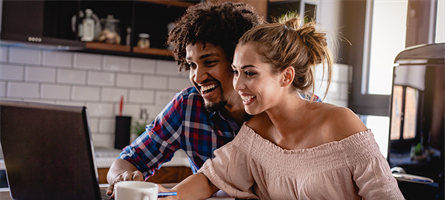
point(289, 116)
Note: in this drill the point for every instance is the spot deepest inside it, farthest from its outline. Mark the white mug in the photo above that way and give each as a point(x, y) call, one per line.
point(135, 190)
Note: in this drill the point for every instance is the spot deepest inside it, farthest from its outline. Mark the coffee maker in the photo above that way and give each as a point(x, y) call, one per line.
point(416, 135)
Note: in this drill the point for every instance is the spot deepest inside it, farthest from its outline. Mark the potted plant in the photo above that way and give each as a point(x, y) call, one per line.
point(138, 127)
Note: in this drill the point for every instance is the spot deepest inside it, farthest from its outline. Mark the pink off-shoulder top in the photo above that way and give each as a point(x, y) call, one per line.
point(253, 167)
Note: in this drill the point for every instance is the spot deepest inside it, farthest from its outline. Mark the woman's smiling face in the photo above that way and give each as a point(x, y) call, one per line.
point(254, 80)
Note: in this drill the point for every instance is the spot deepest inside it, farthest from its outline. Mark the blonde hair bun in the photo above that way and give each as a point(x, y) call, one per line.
point(288, 42)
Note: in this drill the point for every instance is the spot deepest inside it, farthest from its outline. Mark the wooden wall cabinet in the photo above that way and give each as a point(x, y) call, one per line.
point(38, 23)
point(140, 16)
point(50, 23)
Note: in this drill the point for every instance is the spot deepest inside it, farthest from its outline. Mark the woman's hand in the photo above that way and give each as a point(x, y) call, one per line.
point(163, 189)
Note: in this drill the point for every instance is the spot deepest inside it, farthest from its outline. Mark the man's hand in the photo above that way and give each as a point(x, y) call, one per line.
point(126, 176)
point(122, 170)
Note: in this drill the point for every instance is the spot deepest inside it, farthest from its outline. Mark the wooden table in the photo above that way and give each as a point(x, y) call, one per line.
point(4, 192)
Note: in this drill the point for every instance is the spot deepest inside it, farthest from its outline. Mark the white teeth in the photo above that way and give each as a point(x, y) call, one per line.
point(209, 87)
point(247, 98)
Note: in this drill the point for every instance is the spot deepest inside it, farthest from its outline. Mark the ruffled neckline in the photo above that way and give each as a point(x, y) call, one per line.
point(356, 138)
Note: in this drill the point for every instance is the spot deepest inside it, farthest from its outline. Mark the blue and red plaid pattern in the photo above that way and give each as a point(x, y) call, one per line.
point(183, 124)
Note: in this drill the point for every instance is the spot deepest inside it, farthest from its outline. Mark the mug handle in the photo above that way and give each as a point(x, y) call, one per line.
point(145, 194)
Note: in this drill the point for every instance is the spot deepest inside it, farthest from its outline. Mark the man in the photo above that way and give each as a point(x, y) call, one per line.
point(202, 118)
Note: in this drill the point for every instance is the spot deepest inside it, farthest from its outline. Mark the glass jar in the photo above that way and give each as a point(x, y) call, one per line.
point(110, 32)
point(143, 42)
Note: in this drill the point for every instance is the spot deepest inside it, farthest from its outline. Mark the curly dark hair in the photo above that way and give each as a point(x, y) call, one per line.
point(220, 24)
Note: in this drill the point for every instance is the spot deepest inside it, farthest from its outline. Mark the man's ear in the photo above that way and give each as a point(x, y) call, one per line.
point(288, 75)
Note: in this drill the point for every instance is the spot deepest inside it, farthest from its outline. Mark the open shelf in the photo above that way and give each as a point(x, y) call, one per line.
point(107, 47)
point(153, 51)
point(124, 48)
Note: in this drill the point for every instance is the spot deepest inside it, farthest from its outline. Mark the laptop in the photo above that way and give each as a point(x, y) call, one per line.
point(48, 152)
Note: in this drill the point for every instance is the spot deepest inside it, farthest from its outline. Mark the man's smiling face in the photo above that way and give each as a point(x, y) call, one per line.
point(210, 73)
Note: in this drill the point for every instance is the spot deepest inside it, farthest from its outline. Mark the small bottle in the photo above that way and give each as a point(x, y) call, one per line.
point(88, 26)
point(143, 40)
point(127, 41)
point(170, 27)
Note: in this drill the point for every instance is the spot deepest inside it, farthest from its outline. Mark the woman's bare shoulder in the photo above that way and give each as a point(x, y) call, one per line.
point(342, 122)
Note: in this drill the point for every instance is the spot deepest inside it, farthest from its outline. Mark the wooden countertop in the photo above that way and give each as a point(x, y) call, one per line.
point(4, 192)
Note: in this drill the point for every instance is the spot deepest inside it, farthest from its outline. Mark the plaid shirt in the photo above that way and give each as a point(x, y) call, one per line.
point(183, 124)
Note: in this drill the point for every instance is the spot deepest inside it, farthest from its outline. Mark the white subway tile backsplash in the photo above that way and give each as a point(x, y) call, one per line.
point(3, 54)
point(103, 140)
point(116, 63)
point(85, 93)
point(58, 58)
point(93, 123)
point(71, 76)
point(340, 73)
point(162, 98)
point(155, 82)
point(129, 80)
point(106, 125)
point(101, 78)
point(139, 65)
point(113, 94)
point(11, 99)
point(319, 72)
point(141, 96)
point(22, 90)
point(11, 72)
point(320, 88)
point(344, 91)
point(178, 83)
point(70, 103)
point(2, 89)
point(336, 102)
point(153, 111)
point(87, 61)
point(100, 109)
point(25, 56)
point(165, 67)
point(132, 110)
point(79, 86)
point(184, 74)
point(55, 92)
point(334, 91)
point(40, 101)
point(40, 74)
point(338, 89)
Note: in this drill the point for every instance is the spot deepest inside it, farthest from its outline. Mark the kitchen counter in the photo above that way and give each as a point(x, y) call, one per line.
point(105, 157)
point(5, 195)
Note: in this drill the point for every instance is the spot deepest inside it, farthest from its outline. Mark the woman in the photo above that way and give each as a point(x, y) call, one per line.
point(292, 148)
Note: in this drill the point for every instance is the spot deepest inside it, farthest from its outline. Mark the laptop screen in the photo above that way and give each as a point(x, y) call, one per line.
point(47, 151)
